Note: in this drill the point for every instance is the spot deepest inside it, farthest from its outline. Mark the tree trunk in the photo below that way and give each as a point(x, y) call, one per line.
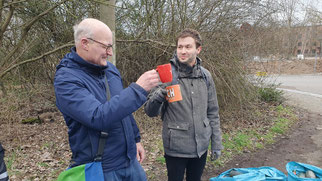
point(107, 15)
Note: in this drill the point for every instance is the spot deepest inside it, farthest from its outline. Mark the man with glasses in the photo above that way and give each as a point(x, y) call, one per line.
point(107, 47)
point(83, 82)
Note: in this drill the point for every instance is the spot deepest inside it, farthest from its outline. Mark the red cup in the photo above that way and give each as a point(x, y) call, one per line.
point(165, 72)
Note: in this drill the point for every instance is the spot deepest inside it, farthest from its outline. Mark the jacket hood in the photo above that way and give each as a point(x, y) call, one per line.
point(73, 60)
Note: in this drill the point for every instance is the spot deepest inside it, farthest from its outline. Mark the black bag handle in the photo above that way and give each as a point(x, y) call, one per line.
point(103, 135)
point(101, 146)
point(108, 94)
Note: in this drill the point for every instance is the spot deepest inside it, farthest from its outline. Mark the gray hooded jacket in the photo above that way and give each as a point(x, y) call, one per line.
point(189, 124)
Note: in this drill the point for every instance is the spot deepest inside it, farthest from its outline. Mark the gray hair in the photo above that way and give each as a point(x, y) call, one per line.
point(81, 31)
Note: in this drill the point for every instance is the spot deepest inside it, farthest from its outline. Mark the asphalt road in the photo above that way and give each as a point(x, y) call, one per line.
point(304, 91)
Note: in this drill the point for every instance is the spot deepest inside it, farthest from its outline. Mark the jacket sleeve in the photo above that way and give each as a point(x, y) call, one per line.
point(1, 148)
point(136, 130)
point(213, 115)
point(76, 102)
point(152, 107)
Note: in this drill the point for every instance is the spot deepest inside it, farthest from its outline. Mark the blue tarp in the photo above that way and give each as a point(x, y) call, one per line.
point(294, 168)
point(252, 174)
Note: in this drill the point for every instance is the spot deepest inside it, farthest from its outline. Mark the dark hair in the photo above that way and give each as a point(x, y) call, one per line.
point(190, 33)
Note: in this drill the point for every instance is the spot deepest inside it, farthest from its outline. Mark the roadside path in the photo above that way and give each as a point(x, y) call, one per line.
point(304, 141)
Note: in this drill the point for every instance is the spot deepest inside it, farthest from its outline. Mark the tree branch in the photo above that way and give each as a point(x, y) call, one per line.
point(147, 41)
point(35, 59)
point(26, 30)
point(6, 23)
point(13, 3)
point(1, 5)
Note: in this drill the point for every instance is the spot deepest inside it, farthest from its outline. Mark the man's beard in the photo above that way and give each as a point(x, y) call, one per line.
point(190, 60)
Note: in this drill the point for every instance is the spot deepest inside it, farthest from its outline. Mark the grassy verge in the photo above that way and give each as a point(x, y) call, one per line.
point(247, 139)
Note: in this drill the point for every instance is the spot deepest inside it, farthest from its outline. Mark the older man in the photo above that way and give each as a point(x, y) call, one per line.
point(83, 80)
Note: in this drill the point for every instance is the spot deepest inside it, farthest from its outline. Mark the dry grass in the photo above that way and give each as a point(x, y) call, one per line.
point(287, 67)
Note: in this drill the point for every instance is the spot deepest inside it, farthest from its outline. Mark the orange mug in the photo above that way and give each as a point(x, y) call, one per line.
point(165, 72)
point(173, 93)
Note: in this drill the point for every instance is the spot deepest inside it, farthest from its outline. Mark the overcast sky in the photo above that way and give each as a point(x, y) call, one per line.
point(310, 4)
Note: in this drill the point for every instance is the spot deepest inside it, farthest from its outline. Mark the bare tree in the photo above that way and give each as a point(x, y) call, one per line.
point(107, 15)
point(37, 30)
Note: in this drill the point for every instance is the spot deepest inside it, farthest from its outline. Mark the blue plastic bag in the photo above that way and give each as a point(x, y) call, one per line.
point(294, 168)
point(252, 174)
point(87, 172)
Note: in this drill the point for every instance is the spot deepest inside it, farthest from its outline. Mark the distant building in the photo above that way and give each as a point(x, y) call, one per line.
point(309, 40)
point(299, 41)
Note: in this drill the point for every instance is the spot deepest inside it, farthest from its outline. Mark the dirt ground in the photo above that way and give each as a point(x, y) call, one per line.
point(307, 66)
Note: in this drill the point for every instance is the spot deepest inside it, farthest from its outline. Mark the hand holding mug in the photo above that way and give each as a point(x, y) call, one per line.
point(148, 80)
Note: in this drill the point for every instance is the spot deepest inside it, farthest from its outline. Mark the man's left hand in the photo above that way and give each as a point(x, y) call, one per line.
point(140, 152)
point(215, 154)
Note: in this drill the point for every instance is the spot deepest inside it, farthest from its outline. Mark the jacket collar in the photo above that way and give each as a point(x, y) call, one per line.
point(73, 60)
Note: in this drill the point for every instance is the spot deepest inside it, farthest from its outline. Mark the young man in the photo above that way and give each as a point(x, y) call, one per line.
point(3, 169)
point(82, 81)
point(189, 124)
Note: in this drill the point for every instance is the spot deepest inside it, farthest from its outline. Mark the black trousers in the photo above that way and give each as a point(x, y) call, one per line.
point(177, 166)
point(3, 169)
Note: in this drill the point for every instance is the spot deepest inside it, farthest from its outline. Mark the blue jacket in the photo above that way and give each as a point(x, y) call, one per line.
point(81, 97)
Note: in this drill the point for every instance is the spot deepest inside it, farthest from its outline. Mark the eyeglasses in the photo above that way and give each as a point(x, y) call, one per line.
point(107, 47)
